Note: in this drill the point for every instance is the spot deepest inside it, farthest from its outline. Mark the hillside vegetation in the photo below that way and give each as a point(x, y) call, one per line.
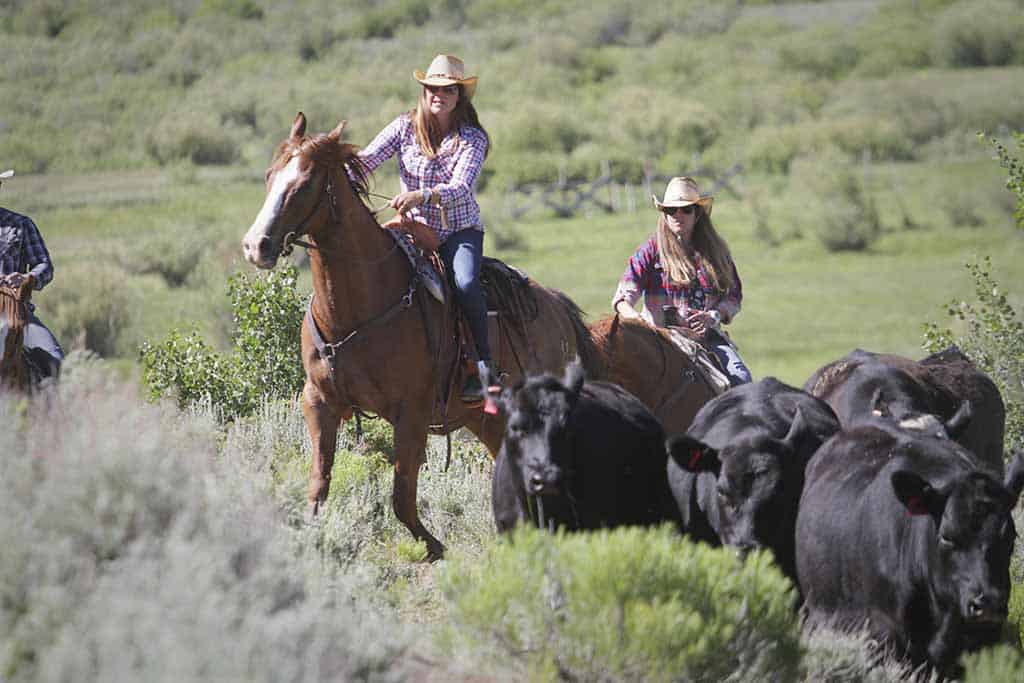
point(148, 126)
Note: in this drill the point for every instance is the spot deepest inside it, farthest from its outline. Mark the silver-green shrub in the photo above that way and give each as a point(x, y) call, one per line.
point(1002, 664)
point(627, 604)
point(133, 551)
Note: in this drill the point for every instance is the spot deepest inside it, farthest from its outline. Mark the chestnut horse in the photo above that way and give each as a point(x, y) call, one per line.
point(391, 344)
point(645, 361)
point(14, 370)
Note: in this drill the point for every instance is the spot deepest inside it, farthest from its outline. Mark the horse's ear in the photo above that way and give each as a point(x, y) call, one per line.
point(336, 133)
point(298, 126)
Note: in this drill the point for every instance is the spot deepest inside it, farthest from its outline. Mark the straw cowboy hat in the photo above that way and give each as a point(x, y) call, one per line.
point(447, 70)
point(683, 191)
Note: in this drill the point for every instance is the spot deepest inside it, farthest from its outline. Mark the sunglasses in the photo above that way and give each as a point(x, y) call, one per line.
point(670, 210)
point(446, 89)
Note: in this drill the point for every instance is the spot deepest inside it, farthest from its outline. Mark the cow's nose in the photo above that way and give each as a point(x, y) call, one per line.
point(985, 606)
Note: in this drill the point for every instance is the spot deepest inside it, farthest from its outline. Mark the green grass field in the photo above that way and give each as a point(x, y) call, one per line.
point(803, 305)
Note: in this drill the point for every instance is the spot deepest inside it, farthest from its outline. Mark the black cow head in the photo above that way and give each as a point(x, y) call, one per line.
point(537, 433)
point(758, 483)
point(971, 537)
point(927, 423)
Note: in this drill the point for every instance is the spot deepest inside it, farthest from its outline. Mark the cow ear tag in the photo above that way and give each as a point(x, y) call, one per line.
point(695, 456)
point(915, 506)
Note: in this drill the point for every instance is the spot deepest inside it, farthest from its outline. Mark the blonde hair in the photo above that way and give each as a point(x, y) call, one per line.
point(705, 241)
point(429, 134)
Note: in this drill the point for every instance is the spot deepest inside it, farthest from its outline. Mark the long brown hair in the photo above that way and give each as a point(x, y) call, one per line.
point(428, 132)
point(705, 241)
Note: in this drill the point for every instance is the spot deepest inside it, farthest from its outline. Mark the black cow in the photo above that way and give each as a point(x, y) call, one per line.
point(738, 472)
point(579, 455)
point(944, 393)
point(908, 535)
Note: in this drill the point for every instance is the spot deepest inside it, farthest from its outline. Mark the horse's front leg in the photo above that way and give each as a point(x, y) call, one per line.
point(410, 454)
point(322, 421)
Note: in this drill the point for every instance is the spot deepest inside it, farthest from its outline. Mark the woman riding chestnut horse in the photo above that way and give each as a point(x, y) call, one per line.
point(372, 339)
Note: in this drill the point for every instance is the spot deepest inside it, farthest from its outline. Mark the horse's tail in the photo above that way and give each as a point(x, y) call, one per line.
point(587, 350)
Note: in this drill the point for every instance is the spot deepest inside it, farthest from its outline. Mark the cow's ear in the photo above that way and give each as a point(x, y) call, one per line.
point(693, 455)
point(1015, 475)
point(916, 494)
point(956, 425)
point(799, 430)
point(574, 376)
point(877, 405)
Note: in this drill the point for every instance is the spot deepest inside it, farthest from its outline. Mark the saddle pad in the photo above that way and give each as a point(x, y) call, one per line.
point(428, 275)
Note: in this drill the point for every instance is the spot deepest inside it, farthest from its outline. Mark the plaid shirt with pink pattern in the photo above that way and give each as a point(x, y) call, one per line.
point(645, 277)
point(452, 173)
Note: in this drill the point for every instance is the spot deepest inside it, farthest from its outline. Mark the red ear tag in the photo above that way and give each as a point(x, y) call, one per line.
point(916, 506)
point(695, 457)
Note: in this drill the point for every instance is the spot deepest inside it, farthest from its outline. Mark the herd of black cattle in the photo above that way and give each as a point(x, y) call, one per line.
point(879, 487)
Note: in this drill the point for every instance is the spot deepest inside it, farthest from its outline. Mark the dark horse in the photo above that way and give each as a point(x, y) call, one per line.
point(14, 369)
point(391, 344)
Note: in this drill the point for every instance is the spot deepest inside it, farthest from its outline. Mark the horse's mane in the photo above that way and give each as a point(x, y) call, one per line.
point(324, 149)
point(13, 308)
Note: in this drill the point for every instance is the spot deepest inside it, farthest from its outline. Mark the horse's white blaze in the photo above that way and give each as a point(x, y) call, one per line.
point(271, 207)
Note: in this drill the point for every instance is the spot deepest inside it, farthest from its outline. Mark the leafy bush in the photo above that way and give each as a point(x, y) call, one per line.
point(1014, 172)
point(971, 33)
point(264, 360)
point(628, 604)
point(172, 254)
point(993, 339)
point(87, 308)
point(197, 138)
point(843, 215)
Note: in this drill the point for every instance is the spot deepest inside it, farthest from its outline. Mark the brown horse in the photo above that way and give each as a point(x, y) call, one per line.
point(645, 361)
point(387, 346)
point(14, 371)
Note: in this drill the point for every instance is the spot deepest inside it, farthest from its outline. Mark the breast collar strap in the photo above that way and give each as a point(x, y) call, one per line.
point(329, 350)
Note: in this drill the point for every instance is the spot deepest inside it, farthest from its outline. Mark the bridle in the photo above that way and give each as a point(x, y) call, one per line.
point(292, 239)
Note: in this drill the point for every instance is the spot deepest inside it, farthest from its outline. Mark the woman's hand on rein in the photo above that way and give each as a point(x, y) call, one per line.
point(700, 322)
point(406, 200)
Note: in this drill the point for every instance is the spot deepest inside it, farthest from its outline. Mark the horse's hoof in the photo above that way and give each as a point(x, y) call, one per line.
point(312, 512)
point(435, 552)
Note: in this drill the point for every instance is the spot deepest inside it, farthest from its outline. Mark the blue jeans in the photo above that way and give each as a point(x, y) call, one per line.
point(462, 253)
point(729, 359)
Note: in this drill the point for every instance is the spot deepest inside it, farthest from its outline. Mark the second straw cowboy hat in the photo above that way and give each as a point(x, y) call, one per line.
point(683, 191)
point(447, 70)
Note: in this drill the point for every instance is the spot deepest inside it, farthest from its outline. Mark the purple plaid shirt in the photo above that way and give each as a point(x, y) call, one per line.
point(452, 173)
point(21, 247)
point(644, 277)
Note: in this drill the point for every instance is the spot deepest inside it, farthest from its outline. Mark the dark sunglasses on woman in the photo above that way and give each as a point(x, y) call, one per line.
point(688, 209)
point(446, 89)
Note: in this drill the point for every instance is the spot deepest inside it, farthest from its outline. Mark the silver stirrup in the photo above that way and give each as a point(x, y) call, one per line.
point(426, 272)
